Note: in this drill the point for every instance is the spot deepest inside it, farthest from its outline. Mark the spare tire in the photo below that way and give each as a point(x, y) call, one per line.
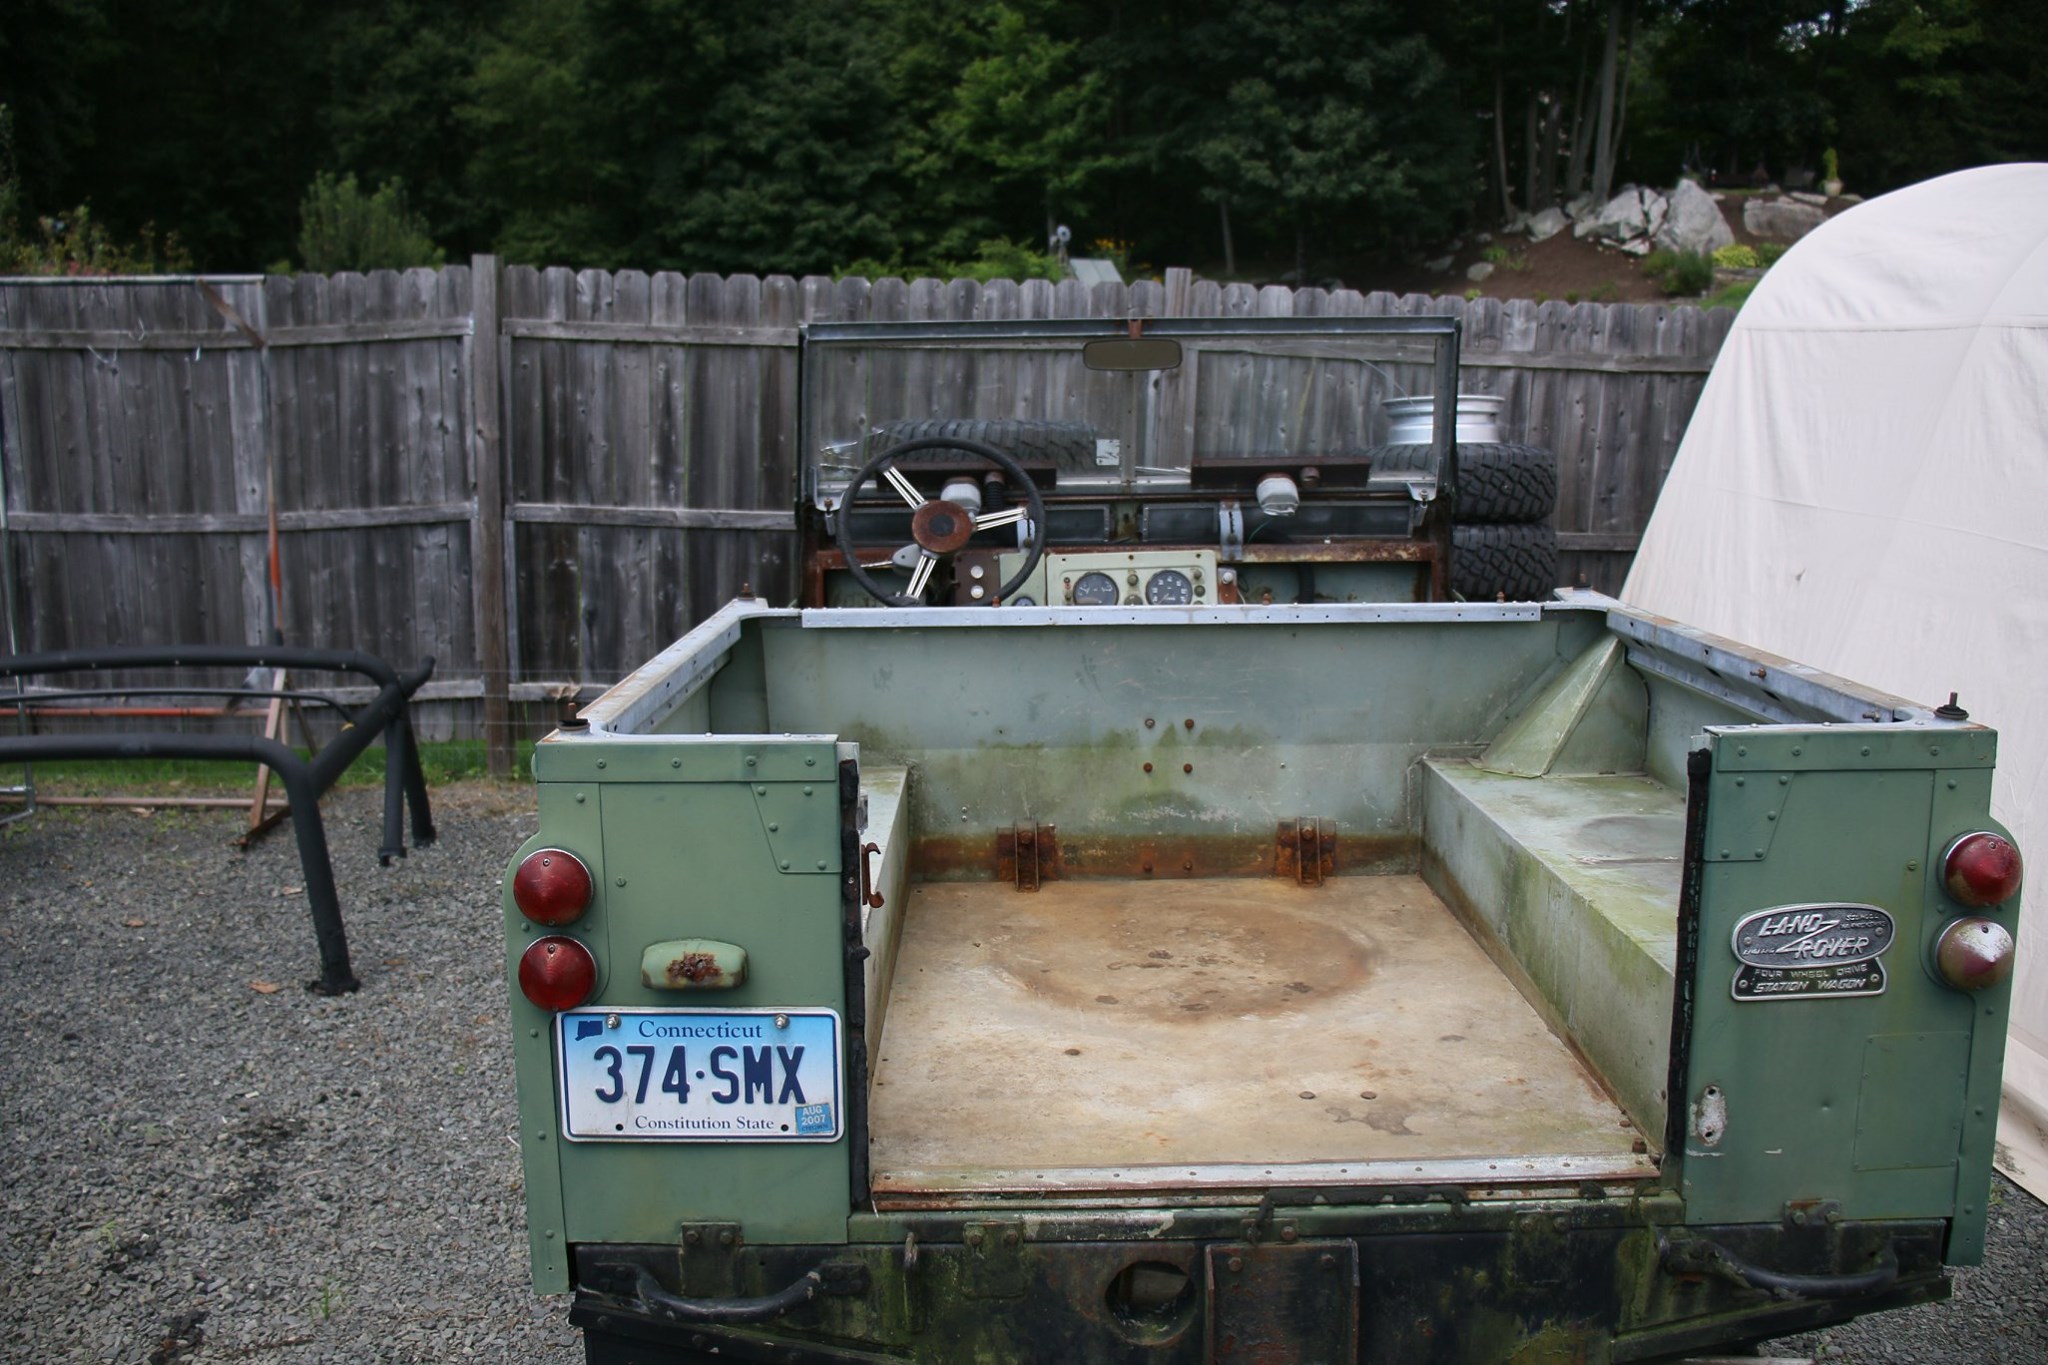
point(1513, 563)
point(1069, 445)
point(1497, 481)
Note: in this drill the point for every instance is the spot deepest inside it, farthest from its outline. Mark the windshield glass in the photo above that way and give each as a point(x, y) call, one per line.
point(1244, 389)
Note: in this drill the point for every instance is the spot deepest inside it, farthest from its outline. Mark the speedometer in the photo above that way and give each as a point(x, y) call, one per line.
point(1169, 588)
point(1095, 590)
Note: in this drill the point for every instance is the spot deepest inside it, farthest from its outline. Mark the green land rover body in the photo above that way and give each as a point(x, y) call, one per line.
point(1277, 961)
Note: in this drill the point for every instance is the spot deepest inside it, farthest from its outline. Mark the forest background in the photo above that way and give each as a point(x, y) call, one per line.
point(1252, 138)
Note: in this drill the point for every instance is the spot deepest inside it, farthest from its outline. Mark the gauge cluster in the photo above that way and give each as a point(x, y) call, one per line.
point(1105, 578)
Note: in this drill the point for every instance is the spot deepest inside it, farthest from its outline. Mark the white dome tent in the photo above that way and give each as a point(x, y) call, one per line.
point(1864, 488)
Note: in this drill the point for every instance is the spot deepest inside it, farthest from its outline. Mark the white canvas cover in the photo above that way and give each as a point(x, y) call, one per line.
point(1864, 488)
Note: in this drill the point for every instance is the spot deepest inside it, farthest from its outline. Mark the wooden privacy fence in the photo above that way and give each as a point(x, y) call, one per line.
point(541, 477)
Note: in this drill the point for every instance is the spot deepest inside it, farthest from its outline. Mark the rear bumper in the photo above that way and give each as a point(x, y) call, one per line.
point(997, 1291)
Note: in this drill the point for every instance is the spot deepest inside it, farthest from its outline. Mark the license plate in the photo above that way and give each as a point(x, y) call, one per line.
point(680, 1075)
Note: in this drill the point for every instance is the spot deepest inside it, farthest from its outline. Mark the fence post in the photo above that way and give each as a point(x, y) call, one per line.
point(487, 527)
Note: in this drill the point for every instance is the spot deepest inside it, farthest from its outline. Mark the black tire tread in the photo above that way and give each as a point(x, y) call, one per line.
point(1515, 563)
point(1497, 480)
point(1069, 445)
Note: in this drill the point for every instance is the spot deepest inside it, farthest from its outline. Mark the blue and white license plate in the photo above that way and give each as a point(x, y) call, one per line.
point(687, 1075)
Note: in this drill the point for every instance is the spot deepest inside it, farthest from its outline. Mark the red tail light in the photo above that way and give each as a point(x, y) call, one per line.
point(551, 887)
point(557, 973)
point(1981, 869)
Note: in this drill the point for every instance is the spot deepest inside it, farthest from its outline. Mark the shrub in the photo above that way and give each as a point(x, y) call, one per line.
point(1736, 256)
point(341, 228)
point(73, 244)
point(997, 259)
point(1680, 272)
point(1767, 253)
point(1001, 259)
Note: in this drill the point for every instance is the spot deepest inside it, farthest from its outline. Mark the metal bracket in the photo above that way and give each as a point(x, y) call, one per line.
point(1230, 530)
point(1537, 1250)
point(995, 1261)
point(1027, 855)
point(1282, 1302)
point(1305, 850)
point(705, 1256)
point(1812, 1231)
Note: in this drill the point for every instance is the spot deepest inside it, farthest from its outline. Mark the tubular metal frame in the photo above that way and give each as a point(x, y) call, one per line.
point(305, 779)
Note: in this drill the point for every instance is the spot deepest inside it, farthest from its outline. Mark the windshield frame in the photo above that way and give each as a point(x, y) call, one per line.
point(818, 341)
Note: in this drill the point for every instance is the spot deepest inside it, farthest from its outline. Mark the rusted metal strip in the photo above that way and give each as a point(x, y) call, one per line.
point(1305, 850)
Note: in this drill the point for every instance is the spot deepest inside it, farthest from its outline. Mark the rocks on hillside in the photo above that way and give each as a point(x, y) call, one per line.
point(1783, 220)
point(1693, 222)
point(1547, 224)
point(1639, 220)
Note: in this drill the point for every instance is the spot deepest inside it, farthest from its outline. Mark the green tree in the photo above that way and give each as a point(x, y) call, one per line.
point(1020, 121)
point(342, 228)
point(772, 149)
point(2005, 117)
point(50, 51)
point(394, 78)
point(202, 120)
point(543, 176)
point(1343, 127)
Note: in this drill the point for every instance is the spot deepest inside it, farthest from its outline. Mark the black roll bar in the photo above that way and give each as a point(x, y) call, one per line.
point(306, 780)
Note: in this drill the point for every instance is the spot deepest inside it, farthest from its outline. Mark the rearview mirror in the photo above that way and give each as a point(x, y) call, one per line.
point(1132, 353)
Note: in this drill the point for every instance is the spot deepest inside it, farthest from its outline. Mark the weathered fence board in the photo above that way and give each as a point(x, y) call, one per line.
point(620, 449)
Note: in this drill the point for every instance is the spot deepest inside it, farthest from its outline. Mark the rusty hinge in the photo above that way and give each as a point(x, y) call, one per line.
point(1305, 850)
point(1028, 855)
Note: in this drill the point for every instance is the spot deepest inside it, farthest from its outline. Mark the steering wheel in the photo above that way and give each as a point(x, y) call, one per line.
point(941, 528)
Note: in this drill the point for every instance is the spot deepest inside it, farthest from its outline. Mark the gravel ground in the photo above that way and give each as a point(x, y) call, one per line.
point(200, 1160)
point(1999, 1311)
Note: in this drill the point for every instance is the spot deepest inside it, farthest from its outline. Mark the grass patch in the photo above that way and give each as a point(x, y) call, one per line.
point(442, 761)
point(1732, 296)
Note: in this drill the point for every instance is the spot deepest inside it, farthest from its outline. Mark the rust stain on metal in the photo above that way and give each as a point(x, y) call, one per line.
point(1353, 552)
point(955, 858)
point(1027, 855)
point(692, 964)
point(1211, 959)
point(694, 968)
point(1305, 850)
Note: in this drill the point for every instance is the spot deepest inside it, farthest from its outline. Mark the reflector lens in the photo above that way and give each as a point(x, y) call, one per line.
point(557, 973)
point(1973, 954)
point(552, 887)
point(1982, 869)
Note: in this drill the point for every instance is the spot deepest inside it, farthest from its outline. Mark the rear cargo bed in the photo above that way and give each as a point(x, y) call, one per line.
point(1109, 1035)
